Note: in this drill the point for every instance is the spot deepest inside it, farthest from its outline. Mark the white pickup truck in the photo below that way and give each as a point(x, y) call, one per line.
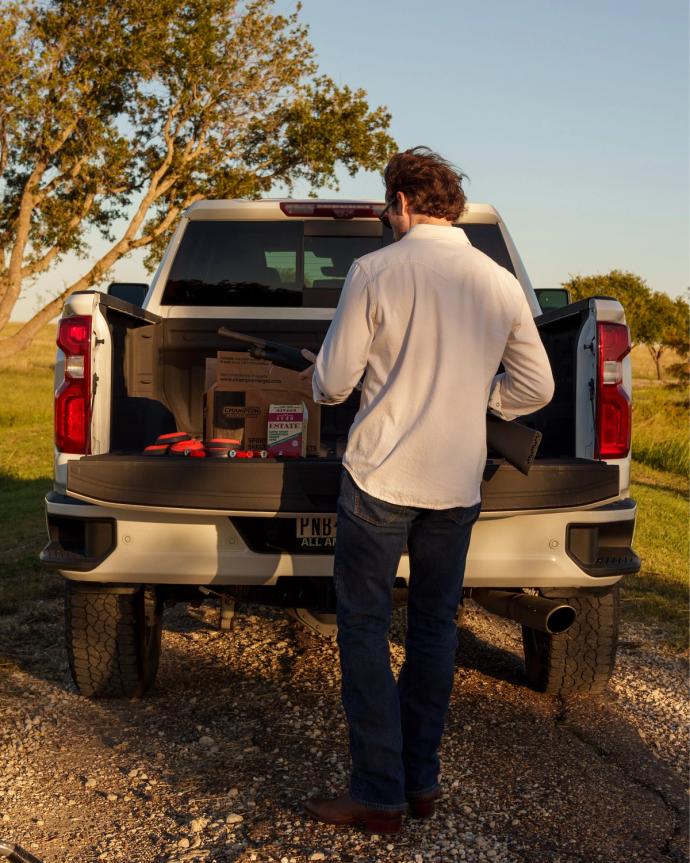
point(130, 533)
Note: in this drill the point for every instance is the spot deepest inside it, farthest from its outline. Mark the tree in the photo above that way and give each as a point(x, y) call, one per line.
point(118, 115)
point(654, 319)
point(658, 326)
point(679, 338)
point(630, 290)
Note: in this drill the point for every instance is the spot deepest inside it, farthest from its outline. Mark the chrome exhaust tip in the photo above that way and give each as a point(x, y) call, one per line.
point(536, 612)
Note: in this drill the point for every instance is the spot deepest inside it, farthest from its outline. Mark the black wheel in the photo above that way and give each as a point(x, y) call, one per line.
point(113, 640)
point(581, 659)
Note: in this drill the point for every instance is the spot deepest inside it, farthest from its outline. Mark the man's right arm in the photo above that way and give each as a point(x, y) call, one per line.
point(343, 356)
point(527, 383)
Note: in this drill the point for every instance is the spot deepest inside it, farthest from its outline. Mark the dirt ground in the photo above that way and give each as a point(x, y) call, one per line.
point(241, 727)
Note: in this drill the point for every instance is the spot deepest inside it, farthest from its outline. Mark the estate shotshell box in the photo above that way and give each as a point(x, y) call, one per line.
point(286, 433)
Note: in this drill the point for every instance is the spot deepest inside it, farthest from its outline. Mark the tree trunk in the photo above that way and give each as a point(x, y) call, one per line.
point(27, 333)
point(657, 361)
point(655, 353)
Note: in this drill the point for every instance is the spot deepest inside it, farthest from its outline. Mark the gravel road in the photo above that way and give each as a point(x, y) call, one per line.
point(241, 727)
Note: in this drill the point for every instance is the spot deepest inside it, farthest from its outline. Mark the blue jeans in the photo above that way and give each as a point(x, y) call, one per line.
point(396, 728)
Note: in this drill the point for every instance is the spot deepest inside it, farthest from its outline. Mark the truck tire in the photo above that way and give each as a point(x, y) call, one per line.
point(580, 660)
point(113, 640)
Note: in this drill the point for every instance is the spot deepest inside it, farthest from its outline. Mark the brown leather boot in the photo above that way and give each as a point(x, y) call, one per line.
point(423, 805)
point(346, 812)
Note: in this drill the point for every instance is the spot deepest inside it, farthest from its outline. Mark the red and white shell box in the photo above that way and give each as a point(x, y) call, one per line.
point(286, 435)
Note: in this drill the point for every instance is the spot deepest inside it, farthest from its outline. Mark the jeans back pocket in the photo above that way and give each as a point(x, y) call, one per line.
point(465, 515)
point(371, 509)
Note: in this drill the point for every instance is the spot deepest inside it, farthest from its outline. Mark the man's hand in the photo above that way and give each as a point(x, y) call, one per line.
point(308, 355)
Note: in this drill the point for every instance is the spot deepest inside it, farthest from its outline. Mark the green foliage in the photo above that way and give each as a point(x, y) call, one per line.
point(133, 110)
point(678, 337)
point(630, 290)
point(654, 319)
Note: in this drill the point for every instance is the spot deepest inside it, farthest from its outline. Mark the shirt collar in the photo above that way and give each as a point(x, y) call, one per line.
point(439, 232)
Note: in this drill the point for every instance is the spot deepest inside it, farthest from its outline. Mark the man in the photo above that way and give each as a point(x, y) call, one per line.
point(428, 318)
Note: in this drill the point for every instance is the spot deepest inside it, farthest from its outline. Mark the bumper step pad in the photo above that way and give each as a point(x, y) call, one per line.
point(311, 485)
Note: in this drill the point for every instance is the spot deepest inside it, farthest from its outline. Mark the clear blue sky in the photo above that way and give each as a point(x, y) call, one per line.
point(570, 117)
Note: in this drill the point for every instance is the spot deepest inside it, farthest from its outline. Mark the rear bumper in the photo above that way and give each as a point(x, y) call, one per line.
point(565, 548)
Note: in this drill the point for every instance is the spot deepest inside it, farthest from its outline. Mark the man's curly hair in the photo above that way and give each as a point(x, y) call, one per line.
point(431, 184)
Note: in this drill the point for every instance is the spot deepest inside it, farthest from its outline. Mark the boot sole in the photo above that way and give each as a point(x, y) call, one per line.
point(369, 823)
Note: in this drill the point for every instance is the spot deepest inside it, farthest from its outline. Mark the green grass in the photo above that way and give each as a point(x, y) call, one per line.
point(26, 470)
point(657, 596)
point(669, 455)
point(660, 427)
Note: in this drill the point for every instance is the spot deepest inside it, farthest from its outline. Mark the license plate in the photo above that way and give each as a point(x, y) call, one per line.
point(316, 531)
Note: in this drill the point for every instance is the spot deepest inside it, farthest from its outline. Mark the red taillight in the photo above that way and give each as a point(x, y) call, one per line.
point(72, 399)
point(331, 209)
point(614, 409)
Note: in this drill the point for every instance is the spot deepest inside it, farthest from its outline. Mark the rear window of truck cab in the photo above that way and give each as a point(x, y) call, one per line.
point(284, 263)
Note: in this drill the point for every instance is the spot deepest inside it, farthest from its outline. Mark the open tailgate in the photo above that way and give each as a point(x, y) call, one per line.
point(311, 485)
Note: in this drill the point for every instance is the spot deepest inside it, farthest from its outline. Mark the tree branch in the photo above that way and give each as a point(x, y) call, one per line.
point(25, 334)
point(71, 174)
point(40, 265)
point(121, 247)
point(153, 192)
point(3, 146)
point(161, 227)
point(9, 292)
point(164, 224)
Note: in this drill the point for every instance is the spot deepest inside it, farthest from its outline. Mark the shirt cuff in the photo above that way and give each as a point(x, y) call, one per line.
point(494, 403)
point(318, 394)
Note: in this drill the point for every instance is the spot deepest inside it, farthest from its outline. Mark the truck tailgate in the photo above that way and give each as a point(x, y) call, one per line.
point(311, 485)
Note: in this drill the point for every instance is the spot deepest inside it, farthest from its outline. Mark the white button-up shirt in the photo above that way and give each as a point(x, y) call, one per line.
point(429, 319)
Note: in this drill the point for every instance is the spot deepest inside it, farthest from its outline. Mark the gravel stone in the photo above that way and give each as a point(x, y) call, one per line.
point(234, 818)
point(507, 754)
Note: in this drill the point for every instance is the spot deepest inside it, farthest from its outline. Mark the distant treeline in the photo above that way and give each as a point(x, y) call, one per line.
point(655, 320)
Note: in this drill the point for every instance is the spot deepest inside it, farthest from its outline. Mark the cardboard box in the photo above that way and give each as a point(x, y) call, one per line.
point(211, 373)
point(238, 370)
point(240, 415)
point(237, 402)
